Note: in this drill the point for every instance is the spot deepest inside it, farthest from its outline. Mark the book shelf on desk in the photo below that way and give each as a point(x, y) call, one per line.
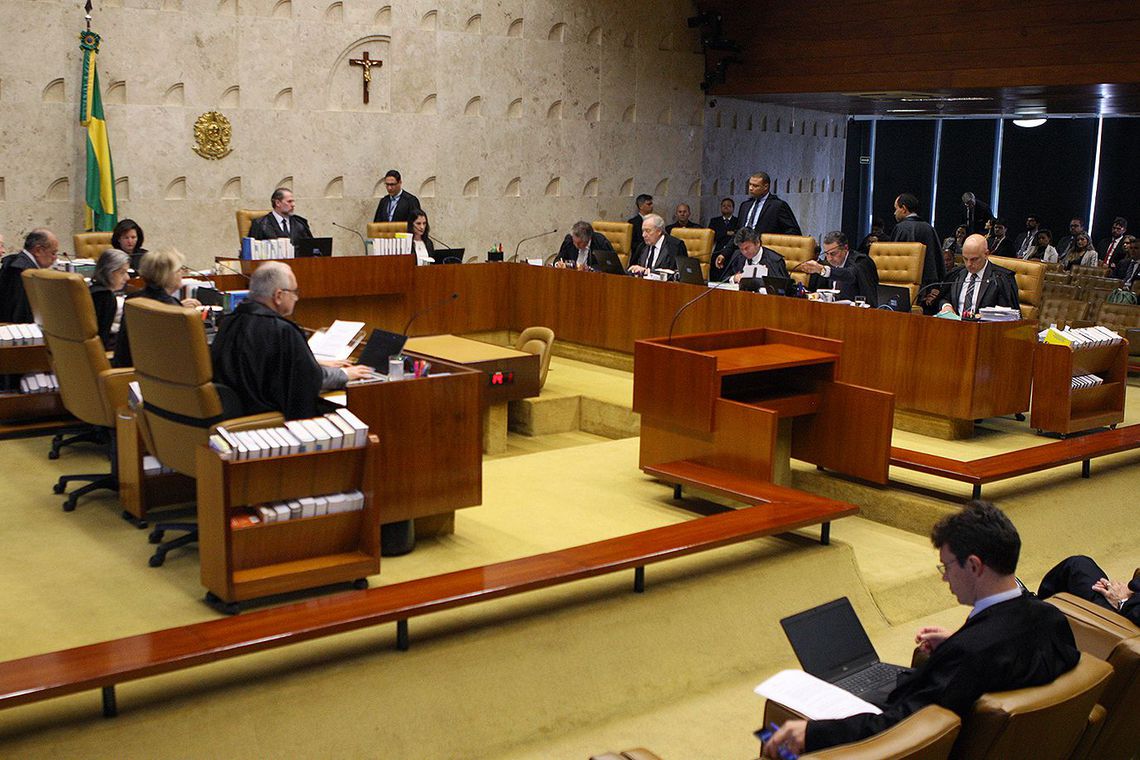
point(244, 563)
point(138, 491)
point(1058, 407)
point(24, 412)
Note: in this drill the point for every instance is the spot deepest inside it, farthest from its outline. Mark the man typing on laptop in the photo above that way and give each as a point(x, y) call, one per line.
point(1010, 640)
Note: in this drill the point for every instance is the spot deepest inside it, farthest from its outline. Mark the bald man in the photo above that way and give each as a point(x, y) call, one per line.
point(978, 283)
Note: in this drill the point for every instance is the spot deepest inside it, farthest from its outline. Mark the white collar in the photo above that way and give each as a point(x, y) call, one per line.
point(992, 599)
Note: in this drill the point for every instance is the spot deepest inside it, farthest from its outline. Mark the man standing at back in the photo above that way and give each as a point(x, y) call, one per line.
point(975, 214)
point(397, 205)
point(644, 209)
point(911, 229)
point(1010, 639)
point(764, 212)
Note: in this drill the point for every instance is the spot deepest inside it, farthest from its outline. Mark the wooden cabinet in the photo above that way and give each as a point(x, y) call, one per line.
point(245, 563)
point(138, 491)
point(1058, 407)
point(25, 413)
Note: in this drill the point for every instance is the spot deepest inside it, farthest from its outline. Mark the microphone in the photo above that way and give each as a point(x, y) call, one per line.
point(354, 232)
point(434, 306)
point(445, 245)
point(924, 288)
point(532, 237)
point(231, 269)
point(689, 303)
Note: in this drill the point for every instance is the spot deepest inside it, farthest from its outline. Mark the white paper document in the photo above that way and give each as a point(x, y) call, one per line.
point(813, 697)
point(336, 342)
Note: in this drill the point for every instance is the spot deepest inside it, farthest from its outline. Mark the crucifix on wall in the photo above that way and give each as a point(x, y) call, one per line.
point(366, 64)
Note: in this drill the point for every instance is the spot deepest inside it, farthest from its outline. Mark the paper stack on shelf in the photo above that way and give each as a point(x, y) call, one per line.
point(296, 509)
point(336, 430)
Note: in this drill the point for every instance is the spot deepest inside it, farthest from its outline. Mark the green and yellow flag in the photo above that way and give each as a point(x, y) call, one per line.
point(101, 207)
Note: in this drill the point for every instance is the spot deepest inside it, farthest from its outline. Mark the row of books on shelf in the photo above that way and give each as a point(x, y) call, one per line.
point(39, 382)
point(261, 250)
point(21, 335)
point(1086, 381)
point(336, 430)
point(399, 245)
point(295, 509)
point(1080, 337)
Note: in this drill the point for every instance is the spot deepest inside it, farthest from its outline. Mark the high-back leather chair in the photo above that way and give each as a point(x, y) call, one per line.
point(928, 734)
point(385, 229)
point(182, 406)
point(1119, 316)
point(1061, 312)
point(1030, 282)
point(620, 235)
point(900, 264)
point(698, 243)
point(245, 217)
point(89, 245)
point(796, 249)
point(90, 389)
point(1113, 638)
point(537, 340)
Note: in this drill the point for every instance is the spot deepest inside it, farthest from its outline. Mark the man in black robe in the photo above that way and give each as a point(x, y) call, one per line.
point(748, 251)
point(852, 273)
point(264, 357)
point(578, 247)
point(40, 248)
point(979, 283)
point(1081, 576)
point(911, 229)
point(1010, 639)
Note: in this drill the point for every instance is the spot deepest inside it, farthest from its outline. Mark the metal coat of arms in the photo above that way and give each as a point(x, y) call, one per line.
point(212, 132)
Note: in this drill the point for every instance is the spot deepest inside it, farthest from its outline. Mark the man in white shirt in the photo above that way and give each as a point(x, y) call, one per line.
point(658, 250)
point(281, 222)
point(979, 283)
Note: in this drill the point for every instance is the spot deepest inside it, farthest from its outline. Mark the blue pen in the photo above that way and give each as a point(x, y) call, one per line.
point(765, 734)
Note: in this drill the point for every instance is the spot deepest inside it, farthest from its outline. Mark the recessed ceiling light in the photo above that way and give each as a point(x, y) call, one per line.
point(1030, 123)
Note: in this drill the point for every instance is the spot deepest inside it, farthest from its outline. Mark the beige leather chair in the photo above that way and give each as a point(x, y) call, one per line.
point(796, 249)
point(385, 229)
point(928, 734)
point(182, 405)
point(1051, 289)
point(537, 340)
point(91, 390)
point(1094, 271)
point(900, 264)
point(89, 245)
point(1030, 282)
point(1115, 639)
point(245, 217)
point(1119, 316)
point(699, 244)
point(1061, 312)
point(620, 235)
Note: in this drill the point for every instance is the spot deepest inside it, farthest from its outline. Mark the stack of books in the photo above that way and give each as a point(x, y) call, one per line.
point(336, 430)
point(261, 250)
point(1086, 381)
point(295, 509)
point(151, 466)
point(21, 335)
point(998, 314)
point(397, 246)
point(1080, 337)
point(39, 382)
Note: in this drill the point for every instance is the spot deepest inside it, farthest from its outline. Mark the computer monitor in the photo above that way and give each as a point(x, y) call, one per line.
point(608, 262)
point(310, 247)
point(448, 255)
point(381, 346)
point(689, 271)
point(894, 298)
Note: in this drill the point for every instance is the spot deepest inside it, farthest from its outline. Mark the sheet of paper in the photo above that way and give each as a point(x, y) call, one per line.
point(336, 342)
point(810, 696)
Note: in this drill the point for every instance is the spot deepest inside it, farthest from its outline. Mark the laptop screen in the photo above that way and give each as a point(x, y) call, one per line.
point(829, 640)
point(894, 298)
point(381, 346)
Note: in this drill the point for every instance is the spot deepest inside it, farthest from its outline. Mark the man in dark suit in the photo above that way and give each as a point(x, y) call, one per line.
point(1111, 250)
point(1010, 640)
point(976, 213)
point(979, 283)
point(577, 251)
point(281, 222)
point(750, 252)
point(397, 205)
point(40, 248)
point(911, 229)
point(1128, 267)
point(1027, 239)
point(1000, 244)
point(724, 226)
point(644, 209)
point(852, 273)
point(1081, 576)
point(1076, 227)
point(682, 217)
point(764, 212)
point(658, 250)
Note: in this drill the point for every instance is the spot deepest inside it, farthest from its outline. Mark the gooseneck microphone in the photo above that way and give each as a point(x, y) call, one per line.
point(690, 302)
point(445, 245)
point(532, 237)
point(434, 306)
point(927, 287)
point(363, 242)
point(231, 269)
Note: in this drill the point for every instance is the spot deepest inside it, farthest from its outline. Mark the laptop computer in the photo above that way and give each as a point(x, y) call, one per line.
point(894, 298)
point(381, 346)
point(778, 286)
point(448, 255)
point(608, 262)
point(312, 247)
point(832, 645)
point(689, 270)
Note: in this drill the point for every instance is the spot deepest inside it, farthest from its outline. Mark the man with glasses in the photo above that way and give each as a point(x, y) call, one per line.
point(39, 251)
point(1076, 227)
point(398, 204)
point(263, 356)
point(1010, 640)
point(852, 273)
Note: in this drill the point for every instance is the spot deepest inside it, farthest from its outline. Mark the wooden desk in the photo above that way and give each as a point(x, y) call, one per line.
point(346, 276)
point(29, 413)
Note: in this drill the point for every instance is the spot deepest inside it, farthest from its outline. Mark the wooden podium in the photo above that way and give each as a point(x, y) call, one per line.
point(742, 402)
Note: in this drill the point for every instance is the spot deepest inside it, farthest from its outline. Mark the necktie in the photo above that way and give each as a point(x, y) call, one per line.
point(391, 208)
point(285, 225)
point(650, 256)
point(753, 214)
point(968, 304)
point(1108, 253)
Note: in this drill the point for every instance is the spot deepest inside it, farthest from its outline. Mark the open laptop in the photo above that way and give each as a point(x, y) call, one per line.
point(778, 286)
point(894, 298)
point(448, 255)
point(381, 346)
point(689, 270)
point(312, 247)
point(608, 262)
point(832, 645)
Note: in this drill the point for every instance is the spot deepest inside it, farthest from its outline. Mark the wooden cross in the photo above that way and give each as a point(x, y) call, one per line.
point(366, 63)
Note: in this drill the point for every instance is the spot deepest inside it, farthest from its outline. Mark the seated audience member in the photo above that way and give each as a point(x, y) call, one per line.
point(749, 251)
point(112, 271)
point(644, 209)
point(281, 222)
point(1010, 640)
point(999, 243)
point(979, 283)
point(724, 226)
point(1042, 247)
point(263, 356)
point(421, 234)
point(852, 273)
point(876, 235)
point(577, 251)
point(1076, 226)
point(161, 271)
point(682, 217)
point(1112, 245)
point(40, 248)
point(1128, 268)
point(1082, 577)
point(1026, 240)
point(658, 250)
point(128, 238)
point(954, 244)
point(397, 205)
point(1080, 252)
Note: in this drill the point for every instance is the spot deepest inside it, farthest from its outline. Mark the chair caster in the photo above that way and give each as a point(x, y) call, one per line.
point(156, 560)
point(69, 505)
point(140, 524)
point(229, 608)
point(155, 536)
point(360, 584)
point(53, 454)
point(59, 487)
point(1019, 417)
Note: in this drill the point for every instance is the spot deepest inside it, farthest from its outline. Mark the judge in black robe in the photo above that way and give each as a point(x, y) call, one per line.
point(1081, 576)
point(40, 248)
point(911, 229)
point(855, 276)
point(570, 253)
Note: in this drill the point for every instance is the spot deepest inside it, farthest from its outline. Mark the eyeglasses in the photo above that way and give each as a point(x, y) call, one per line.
point(832, 251)
point(294, 291)
point(941, 568)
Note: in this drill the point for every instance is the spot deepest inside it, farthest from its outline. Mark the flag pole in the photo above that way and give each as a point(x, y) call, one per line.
point(87, 9)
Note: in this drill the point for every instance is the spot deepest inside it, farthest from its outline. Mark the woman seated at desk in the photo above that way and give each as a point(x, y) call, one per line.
point(111, 275)
point(421, 241)
point(162, 273)
point(128, 238)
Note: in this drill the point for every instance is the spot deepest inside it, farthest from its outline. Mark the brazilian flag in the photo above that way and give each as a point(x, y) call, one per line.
point(101, 206)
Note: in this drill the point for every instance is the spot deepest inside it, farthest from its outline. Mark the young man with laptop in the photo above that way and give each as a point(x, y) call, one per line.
point(1010, 639)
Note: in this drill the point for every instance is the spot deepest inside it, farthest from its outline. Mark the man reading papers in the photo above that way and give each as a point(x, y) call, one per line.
point(1010, 640)
point(263, 356)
